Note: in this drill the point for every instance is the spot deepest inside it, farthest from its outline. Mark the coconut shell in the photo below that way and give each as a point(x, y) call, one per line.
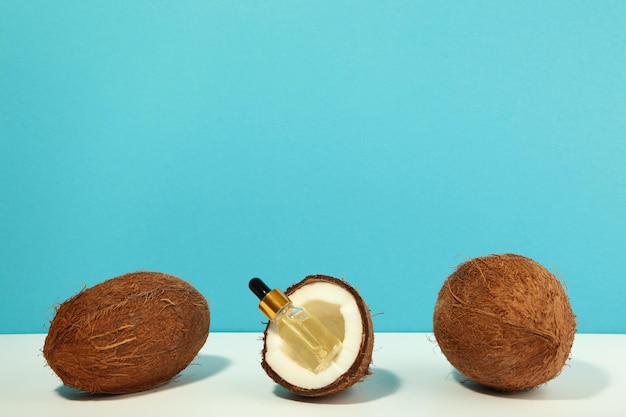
point(127, 334)
point(359, 370)
point(504, 321)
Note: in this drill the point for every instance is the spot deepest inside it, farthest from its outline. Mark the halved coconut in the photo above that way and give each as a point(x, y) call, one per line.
point(340, 307)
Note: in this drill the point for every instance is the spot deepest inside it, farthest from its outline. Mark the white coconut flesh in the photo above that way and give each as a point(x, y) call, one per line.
point(338, 310)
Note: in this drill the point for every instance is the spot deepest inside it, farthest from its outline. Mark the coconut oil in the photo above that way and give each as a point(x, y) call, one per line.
point(305, 338)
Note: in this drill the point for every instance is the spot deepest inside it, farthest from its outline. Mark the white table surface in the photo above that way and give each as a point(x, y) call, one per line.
point(411, 378)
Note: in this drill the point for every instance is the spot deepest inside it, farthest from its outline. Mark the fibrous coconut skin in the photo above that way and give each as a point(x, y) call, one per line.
point(127, 334)
point(505, 322)
point(360, 367)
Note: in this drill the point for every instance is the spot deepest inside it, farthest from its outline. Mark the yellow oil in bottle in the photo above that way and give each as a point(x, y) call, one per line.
point(306, 339)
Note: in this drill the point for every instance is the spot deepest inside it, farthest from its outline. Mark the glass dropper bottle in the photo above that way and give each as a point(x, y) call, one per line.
point(306, 339)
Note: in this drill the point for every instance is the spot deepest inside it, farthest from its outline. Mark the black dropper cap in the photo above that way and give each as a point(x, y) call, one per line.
point(258, 287)
point(272, 301)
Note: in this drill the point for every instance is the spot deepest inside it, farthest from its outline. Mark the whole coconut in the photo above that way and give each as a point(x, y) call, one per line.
point(127, 334)
point(504, 321)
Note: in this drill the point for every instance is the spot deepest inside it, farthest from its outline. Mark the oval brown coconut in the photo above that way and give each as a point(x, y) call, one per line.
point(340, 307)
point(505, 322)
point(127, 334)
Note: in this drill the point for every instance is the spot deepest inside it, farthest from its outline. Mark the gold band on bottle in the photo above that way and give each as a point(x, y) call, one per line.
point(273, 302)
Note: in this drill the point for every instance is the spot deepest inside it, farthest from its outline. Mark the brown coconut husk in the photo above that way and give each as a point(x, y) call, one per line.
point(127, 334)
point(359, 370)
point(504, 321)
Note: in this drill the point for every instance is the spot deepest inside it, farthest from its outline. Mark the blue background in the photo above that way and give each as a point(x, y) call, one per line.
point(380, 142)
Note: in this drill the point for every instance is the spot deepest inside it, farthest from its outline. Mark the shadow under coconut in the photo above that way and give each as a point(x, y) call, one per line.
point(579, 380)
point(202, 367)
point(381, 383)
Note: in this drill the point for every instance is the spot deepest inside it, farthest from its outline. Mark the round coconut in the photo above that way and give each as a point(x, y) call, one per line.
point(339, 307)
point(505, 322)
point(127, 334)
